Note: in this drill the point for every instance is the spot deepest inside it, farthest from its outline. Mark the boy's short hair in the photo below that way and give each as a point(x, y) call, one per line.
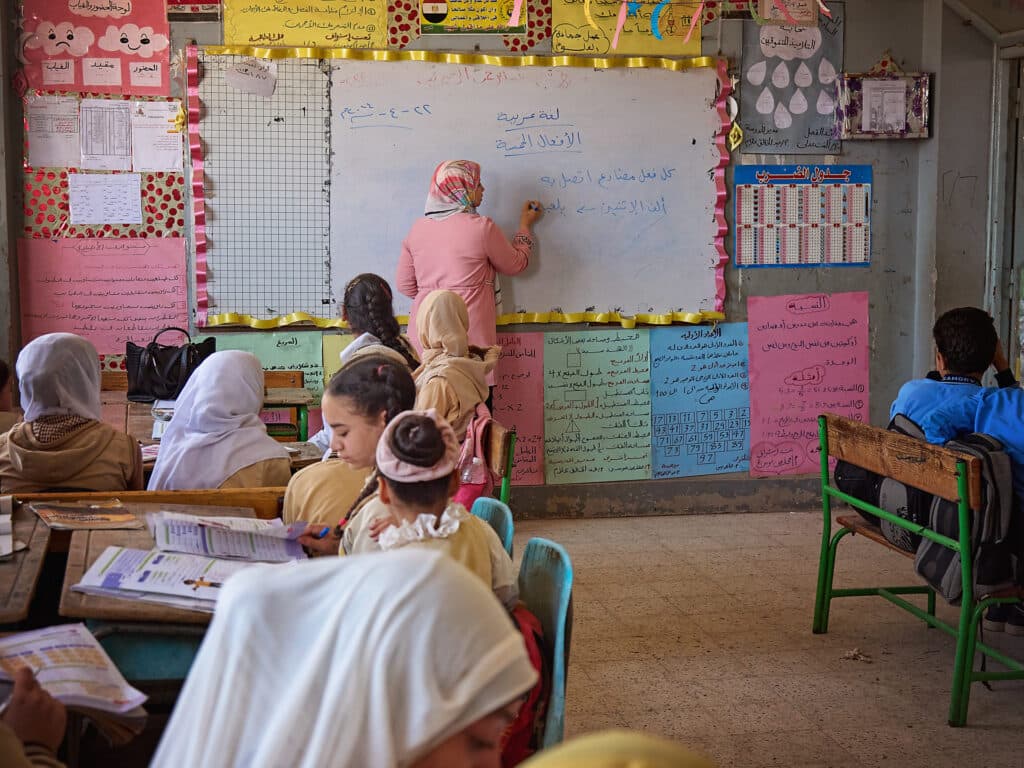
point(966, 338)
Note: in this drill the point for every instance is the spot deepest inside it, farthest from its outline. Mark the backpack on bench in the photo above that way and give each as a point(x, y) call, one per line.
point(992, 552)
point(891, 495)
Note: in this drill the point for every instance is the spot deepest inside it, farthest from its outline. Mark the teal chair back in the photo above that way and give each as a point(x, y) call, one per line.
point(498, 516)
point(545, 586)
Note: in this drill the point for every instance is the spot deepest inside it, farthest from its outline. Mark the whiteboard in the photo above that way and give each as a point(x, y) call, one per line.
point(622, 160)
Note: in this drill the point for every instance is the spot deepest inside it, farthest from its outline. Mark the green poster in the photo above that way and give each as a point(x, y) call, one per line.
point(283, 351)
point(597, 406)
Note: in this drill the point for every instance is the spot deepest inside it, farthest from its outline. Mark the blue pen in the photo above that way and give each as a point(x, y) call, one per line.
point(326, 529)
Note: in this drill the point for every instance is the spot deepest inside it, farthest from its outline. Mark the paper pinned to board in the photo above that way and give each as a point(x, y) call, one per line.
point(53, 131)
point(106, 135)
point(105, 198)
point(156, 141)
point(255, 76)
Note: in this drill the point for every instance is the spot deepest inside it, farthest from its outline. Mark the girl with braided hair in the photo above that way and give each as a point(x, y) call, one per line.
point(367, 310)
point(358, 403)
point(370, 316)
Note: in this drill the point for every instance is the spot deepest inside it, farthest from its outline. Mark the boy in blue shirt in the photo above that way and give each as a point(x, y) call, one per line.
point(951, 401)
point(966, 344)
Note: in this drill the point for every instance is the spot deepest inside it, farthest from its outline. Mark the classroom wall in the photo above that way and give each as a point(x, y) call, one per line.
point(963, 194)
point(927, 188)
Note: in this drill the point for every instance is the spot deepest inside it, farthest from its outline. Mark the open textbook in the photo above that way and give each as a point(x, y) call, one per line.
point(72, 666)
point(192, 582)
point(242, 538)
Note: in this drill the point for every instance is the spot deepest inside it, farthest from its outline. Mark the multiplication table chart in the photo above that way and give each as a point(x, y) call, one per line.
point(802, 215)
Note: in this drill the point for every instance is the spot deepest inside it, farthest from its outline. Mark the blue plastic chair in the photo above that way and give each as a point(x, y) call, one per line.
point(545, 586)
point(498, 516)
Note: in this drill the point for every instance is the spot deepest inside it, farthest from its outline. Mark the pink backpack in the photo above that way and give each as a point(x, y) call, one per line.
point(475, 476)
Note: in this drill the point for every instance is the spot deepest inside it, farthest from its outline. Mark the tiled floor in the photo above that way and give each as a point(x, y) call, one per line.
point(698, 628)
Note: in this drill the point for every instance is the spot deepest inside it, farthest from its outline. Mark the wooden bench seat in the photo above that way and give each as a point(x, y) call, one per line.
point(940, 472)
point(858, 525)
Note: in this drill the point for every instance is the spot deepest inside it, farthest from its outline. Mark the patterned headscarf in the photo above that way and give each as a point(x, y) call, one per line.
point(451, 188)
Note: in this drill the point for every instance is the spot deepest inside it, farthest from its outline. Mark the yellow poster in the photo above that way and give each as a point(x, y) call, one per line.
point(447, 17)
point(306, 23)
point(572, 32)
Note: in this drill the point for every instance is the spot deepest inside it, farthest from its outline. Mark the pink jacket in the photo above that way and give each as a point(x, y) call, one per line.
point(460, 253)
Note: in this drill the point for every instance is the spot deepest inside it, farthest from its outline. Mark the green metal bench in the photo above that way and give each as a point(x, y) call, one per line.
point(935, 470)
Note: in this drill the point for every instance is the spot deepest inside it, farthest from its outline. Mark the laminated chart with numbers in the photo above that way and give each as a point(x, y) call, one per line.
point(802, 215)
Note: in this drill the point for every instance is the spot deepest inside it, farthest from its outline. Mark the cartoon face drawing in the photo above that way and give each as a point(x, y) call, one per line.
point(57, 39)
point(132, 40)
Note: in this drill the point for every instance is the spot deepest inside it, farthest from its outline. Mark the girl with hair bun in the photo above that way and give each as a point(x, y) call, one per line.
point(417, 458)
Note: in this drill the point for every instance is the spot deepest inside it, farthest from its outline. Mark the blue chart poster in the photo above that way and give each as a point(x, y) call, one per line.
point(700, 403)
point(802, 215)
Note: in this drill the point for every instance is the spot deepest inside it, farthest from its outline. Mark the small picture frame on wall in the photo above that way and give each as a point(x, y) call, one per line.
point(883, 106)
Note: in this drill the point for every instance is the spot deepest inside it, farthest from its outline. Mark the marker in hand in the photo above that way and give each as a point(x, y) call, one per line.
point(322, 532)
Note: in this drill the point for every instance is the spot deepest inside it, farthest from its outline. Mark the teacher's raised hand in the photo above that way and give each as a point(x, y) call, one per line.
point(532, 211)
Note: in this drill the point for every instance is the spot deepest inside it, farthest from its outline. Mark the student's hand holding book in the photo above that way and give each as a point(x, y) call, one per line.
point(33, 714)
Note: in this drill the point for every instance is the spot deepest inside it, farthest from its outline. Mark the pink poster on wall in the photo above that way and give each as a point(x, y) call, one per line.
point(97, 46)
point(808, 356)
point(109, 290)
point(519, 401)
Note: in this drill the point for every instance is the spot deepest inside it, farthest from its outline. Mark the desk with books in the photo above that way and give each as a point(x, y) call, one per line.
point(146, 641)
point(19, 573)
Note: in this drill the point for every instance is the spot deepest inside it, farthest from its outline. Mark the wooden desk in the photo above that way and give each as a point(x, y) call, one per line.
point(20, 573)
point(137, 418)
point(303, 454)
point(298, 398)
point(87, 546)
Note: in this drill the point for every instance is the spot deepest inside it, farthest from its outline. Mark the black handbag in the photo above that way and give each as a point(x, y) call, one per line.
point(159, 371)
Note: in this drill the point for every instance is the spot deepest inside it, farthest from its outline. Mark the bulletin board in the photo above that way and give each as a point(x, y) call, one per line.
point(633, 223)
point(265, 173)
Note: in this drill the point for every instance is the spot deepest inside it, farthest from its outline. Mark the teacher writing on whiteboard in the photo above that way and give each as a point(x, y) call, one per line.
point(454, 248)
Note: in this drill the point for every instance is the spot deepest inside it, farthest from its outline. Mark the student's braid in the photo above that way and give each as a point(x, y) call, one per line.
point(368, 308)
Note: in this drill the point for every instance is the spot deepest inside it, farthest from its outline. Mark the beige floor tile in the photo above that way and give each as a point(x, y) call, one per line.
point(699, 628)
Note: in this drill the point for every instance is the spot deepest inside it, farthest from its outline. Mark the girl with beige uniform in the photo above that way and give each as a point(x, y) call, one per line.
point(62, 442)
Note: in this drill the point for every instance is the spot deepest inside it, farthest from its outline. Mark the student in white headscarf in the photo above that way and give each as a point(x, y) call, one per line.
point(62, 443)
point(394, 660)
point(215, 438)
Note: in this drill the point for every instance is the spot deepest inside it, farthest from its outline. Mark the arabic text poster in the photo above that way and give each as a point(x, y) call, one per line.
point(700, 403)
point(808, 356)
point(115, 46)
point(802, 215)
point(109, 290)
point(307, 23)
point(282, 351)
point(519, 401)
point(788, 86)
point(595, 27)
point(597, 406)
point(453, 17)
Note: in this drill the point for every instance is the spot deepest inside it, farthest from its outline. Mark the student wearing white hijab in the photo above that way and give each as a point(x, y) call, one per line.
point(395, 660)
point(215, 438)
point(62, 442)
